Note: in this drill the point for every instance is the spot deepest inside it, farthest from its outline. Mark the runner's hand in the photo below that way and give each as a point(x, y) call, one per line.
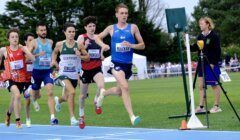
point(105, 47)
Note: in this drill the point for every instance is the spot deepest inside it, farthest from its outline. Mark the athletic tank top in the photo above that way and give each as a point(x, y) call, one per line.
point(69, 61)
point(120, 53)
point(94, 50)
point(43, 62)
point(15, 66)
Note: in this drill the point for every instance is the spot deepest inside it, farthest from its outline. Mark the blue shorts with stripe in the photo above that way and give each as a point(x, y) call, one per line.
point(39, 76)
point(126, 68)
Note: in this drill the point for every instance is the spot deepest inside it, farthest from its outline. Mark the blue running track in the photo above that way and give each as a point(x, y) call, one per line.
point(47, 132)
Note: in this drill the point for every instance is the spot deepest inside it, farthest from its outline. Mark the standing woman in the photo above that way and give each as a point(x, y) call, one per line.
point(212, 51)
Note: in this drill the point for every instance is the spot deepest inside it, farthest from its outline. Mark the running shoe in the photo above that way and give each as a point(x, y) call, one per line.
point(54, 121)
point(81, 122)
point(135, 120)
point(200, 110)
point(7, 120)
point(28, 123)
point(215, 109)
point(18, 124)
point(74, 122)
point(98, 110)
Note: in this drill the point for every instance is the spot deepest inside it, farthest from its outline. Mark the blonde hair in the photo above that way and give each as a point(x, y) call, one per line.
point(208, 21)
point(121, 5)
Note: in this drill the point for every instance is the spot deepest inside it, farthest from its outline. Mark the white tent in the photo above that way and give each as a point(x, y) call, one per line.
point(139, 61)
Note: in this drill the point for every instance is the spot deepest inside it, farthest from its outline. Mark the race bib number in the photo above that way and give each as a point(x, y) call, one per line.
point(44, 61)
point(2, 84)
point(69, 69)
point(224, 76)
point(16, 65)
point(121, 48)
point(94, 53)
point(29, 67)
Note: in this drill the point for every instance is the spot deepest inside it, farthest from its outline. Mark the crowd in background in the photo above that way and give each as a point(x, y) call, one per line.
point(155, 70)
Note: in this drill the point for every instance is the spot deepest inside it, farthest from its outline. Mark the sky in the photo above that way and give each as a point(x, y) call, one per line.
point(188, 4)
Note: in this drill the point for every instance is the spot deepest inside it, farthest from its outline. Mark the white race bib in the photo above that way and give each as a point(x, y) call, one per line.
point(94, 53)
point(44, 61)
point(121, 48)
point(29, 67)
point(16, 65)
point(69, 69)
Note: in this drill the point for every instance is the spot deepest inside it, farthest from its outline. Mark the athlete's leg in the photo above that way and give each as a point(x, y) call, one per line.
point(27, 108)
point(11, 106)
point(82, 97)
point(16, 104)
point(70, 94)
point(99, 79)
point(49, 90)
point(113, 91)
point(9, 111)
point(123, 84)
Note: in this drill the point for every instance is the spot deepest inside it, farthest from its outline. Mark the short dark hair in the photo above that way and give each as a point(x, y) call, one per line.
point(89, 19)
point(68, 24)
point(40, 23)
point(25, 37)
point(12, 30)
point(121, 5)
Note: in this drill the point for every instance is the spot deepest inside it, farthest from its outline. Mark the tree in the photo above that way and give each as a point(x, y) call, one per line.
point(3, 38)
point(225, 15)
point(24, 14)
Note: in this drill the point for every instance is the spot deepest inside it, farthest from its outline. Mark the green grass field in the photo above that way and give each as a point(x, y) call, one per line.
point(154, 100)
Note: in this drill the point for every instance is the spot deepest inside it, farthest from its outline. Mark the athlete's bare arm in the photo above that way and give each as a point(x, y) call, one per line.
point(140, 45)
point(29, 55)
point(51, 42)
point(32, 45)
point(82, 53)
point(55, 52)
point(136, 33)
point(80, 39)
point(103, 34)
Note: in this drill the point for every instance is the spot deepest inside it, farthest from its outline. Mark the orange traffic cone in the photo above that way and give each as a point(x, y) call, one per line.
point(183, 125)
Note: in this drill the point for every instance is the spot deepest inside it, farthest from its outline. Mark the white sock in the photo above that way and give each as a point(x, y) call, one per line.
point(52, 116)
point(28, 119)
point(81, 112)
point(73, 118)
point(95, 98)
point(132, 117)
